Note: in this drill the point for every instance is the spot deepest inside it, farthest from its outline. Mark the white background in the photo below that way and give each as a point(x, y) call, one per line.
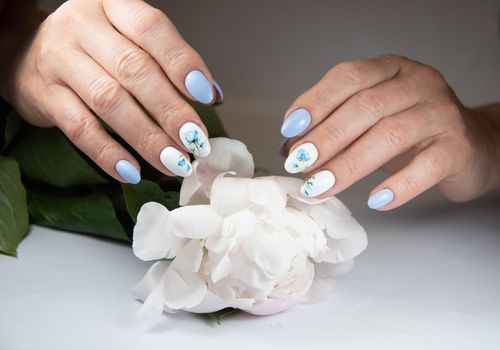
point(430, 276)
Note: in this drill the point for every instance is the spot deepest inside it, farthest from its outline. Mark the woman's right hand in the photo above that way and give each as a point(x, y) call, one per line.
point(119, 59)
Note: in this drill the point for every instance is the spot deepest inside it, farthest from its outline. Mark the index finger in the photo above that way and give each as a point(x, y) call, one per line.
point(338, 85)
point(151, 29)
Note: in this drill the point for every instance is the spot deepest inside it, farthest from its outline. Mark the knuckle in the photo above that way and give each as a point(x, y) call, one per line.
point(147, 20)
point(393, 133)
point(76, 126)
point(147, 139)
point(103, 151)
point(410, 185)
point(105, 95)
point(432, 166)
point(176, 57)
point(332, 137)
point(171, 112)
point(431, 76)
point(371, 104)
point(352, 168)
point(353, 71)
point(133, 64)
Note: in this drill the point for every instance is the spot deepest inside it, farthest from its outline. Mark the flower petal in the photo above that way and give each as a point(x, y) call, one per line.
point(183, 288)
point(263, 195)
point(341, 250)
point(225, 155)
point(195, 221)
point(150, 290)
point(152, 238)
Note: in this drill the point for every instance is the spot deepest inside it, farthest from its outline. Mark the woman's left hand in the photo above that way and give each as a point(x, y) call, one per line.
point(395, 113)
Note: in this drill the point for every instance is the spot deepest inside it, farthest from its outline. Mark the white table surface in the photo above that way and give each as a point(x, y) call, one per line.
point(428, 280)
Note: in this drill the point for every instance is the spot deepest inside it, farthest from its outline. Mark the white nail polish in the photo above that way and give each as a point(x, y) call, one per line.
point(301, 158)
point(175, 161)
point(194, 139)
point(318, 184)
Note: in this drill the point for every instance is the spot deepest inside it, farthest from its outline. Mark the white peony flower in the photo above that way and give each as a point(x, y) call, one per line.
point(250, 243)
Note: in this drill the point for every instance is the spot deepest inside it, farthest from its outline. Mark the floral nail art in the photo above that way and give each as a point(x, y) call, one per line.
point(318, 183)
point(184, 163)
point(194, 139)
point(175, 161)
point(301, 158)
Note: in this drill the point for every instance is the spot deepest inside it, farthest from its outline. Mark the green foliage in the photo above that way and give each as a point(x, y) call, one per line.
point(13, 209)
point(41, 170)
point(219, 315)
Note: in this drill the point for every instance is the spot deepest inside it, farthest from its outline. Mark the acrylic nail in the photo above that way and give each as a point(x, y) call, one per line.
point(318, 184)
point(220, 93)
point(194, 139)
point(199, 87)
point(380, 199)
point(128, 171)
point(296, 123)
point(175, 161)
point(301, 158)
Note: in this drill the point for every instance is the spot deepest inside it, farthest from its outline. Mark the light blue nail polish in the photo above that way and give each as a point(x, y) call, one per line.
point(380, 199)
point(128, 171)
point(199, 87)
point(296, 123)
point(220, 93)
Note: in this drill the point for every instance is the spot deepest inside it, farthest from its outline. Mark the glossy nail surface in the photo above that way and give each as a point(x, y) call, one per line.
point(220, 93)
point(199, 87)
point(301, 158)
point(318, 183)
point(194, 139)
point(296, 123)
point(380, 199)
point(128, 171)
point(175, 161)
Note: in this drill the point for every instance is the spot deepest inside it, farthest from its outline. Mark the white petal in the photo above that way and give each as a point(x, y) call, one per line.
point(341, 250)
point(152, 238)
point(210, 303)
point(230, 195)
point(150, 290)
point(226, 155)
point(195, 221)
point(272, 251)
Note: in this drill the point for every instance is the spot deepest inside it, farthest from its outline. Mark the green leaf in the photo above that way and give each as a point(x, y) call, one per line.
point(92, 214)
point(13, 209)
point(147, 191)
point(211, 120)
point(48, 156)
point(219, 315)
point(12, 125)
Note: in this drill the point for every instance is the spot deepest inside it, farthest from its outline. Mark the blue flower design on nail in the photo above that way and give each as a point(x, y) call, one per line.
point(302, 157)
point(192, 138)
point(308, 186)
point(184, 163)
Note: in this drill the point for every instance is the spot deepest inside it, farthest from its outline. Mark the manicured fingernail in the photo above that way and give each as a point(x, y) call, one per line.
point(380, 199)
point(301, 158)
point(128, 171)
point(296, 123)
point(318, 184)
point(282, 148)
point(194, 139)
point(199, 87)
point(175, 161)
point(220, 94)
